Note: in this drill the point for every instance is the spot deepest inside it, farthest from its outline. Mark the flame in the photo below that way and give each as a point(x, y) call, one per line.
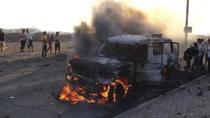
point(124, 81)
point(68, 94)
point(78, 94)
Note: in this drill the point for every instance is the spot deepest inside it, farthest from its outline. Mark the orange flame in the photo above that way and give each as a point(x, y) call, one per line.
point(78, 94)
point(124, 81)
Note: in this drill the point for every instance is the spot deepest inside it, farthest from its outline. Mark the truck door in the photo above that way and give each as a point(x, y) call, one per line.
point(151, 70)
point(149, 60)
point(175, 52)
point(170, 53)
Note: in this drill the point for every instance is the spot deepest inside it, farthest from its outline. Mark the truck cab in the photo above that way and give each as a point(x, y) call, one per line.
point(153, 58)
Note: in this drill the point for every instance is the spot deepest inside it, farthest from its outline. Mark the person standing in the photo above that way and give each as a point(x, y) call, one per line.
point(195, 64)
point(2, 39)
point(29, 40)
point(57, 43)
point(22, 40)
point(51, 39)
point(44, 40)
point(208, 55)
point(189, 54)
point(202, 50)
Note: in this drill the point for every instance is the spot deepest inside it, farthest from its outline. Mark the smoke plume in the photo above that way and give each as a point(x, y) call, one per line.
point(111, 18)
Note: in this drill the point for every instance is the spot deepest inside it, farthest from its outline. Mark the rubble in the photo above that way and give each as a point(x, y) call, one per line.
point(12, 97)
point(200, 93)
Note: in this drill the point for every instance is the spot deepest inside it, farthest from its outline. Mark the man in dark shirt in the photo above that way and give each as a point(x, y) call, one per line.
point(189, 54)
point(2, 39)
point(57, 43)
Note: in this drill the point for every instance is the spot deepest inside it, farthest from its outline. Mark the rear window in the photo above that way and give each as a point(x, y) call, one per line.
point(157, 48)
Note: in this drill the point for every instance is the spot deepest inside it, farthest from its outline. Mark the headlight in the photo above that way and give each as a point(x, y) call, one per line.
point(72, 78)
point(68, 78)
point(68, 69)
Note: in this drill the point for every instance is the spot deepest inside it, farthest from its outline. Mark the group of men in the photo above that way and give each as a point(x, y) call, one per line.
point(47, 43)
point(26, 38)
point(198, 55)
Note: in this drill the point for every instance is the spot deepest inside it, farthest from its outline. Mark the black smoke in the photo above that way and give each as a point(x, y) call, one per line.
point(111, 18)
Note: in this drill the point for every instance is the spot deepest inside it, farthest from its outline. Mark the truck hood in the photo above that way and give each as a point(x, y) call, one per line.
point(98, 67)
point(99, 62)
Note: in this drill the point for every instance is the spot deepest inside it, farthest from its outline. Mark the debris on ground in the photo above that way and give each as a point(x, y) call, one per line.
point(179, 113)
point(59, 116)
point(45, 65)
point(38, 89)
point(200, 93)
point(12, 97)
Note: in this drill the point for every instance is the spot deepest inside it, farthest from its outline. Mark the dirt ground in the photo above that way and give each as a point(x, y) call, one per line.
point(12, 51)
point(29, 86)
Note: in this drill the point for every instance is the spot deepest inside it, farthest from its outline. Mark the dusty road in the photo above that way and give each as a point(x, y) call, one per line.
point(29, 87)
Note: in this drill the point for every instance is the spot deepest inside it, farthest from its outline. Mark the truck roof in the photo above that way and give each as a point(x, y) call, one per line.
point(135, 39)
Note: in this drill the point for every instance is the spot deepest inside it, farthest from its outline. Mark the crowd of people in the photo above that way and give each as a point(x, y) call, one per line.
point(26, 40)
point(47, 43)
point(198, 56)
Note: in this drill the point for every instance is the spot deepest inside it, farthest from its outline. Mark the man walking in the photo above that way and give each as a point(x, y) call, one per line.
point(29, 40)
point(22, 40)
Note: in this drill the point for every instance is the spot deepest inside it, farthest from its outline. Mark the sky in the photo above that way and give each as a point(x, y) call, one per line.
point(63, 15)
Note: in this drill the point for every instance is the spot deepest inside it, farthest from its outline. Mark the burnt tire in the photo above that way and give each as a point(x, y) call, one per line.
point(119, 91)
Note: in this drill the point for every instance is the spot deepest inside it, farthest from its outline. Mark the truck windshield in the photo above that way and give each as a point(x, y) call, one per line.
point(120, 51)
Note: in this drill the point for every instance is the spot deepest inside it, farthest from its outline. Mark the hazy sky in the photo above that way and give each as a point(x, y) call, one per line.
point(44, 14)
point(62, 15)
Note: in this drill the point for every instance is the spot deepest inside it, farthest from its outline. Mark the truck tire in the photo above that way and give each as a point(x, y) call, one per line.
point(118, 92)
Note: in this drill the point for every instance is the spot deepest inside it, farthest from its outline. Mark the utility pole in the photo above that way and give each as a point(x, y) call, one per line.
point(186, 23)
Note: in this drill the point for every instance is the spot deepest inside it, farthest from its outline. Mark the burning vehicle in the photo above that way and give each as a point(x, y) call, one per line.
point(120, 62)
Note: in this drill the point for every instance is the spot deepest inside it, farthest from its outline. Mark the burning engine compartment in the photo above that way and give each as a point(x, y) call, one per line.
point(95, 80)
point(74, 92)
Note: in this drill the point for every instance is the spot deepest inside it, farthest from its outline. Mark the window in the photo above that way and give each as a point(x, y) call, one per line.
point(157, 48)
point(167, 48)
point(142, 53)
point(120, 51)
